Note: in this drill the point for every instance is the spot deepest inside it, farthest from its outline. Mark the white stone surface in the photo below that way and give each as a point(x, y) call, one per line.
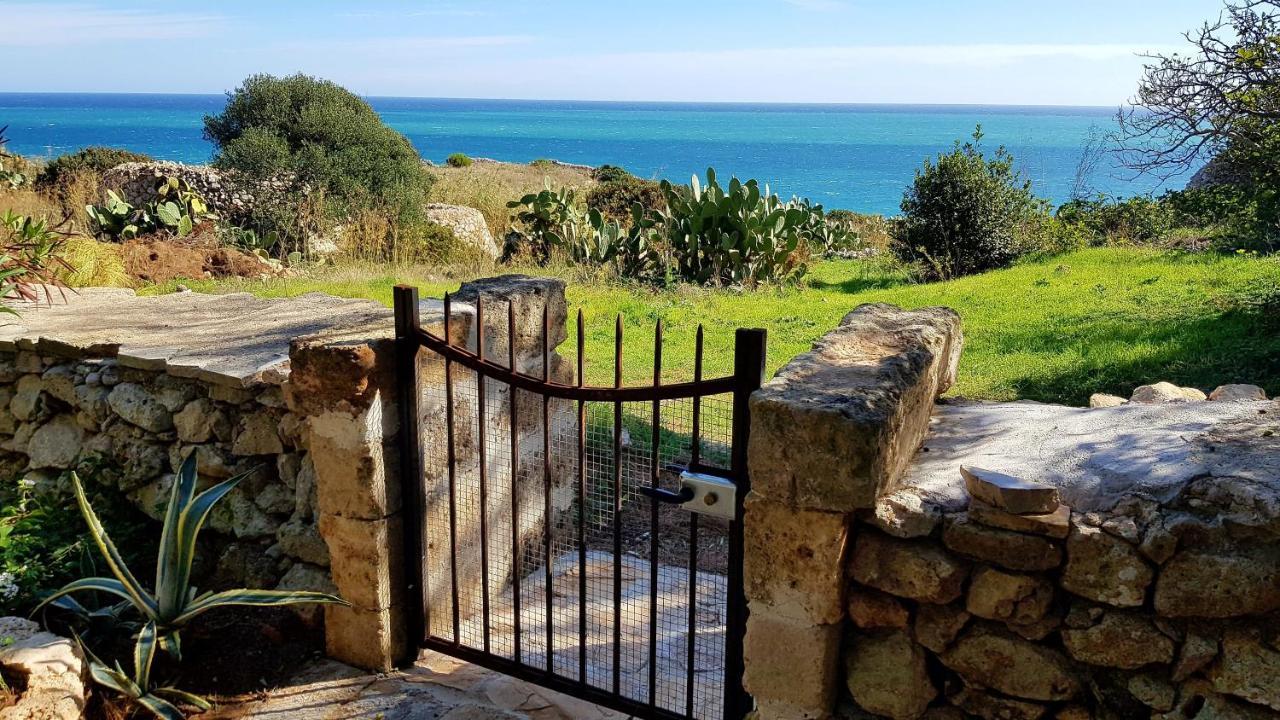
point(1096, 456)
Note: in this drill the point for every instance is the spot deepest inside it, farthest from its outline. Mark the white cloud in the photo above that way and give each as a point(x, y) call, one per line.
point(54, 24)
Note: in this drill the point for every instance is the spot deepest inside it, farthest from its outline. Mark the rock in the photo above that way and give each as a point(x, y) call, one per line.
point(468, 226)
point(53, 670)
point(200, 421)
point(1104, 568)
point(1102, 400)
point(977, 703)
point(1165, 392)
point(836, 428)
point(304, 492)
point(153, 498)
point(59, 382)
point(26, 404)
point(1119, 640)
point(17, 629)
point(886, 675)
point(1154, 691)
point(92, 401)
point(914, 570)
point(1196, 699)
point(1158, 544)
point(1055, 524)
point(244, 564)
point(1198, 650)
point(1009, 493)
point(1010, 598)
point(985, 655)
point(56, 444)
point(1237, 393)
point(937, 626)
point(1248, 668)
point(1220, 583)
point(276, 499)
point(1123, 527)
point(905, 514)
point(302, 540)
point(302, 576)
point(137, 406)
point(1011, 550)
point(871, 609)
point(258, 434)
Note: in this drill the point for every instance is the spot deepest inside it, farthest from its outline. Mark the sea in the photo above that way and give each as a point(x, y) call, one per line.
point(856, 157)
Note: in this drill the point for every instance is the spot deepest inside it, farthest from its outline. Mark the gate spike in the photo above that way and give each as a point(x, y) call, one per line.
point(448, 313)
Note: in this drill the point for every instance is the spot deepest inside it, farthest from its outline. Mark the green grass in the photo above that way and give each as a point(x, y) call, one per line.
point(1056, 330)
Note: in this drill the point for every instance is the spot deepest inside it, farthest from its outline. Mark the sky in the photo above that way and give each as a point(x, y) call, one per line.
point(1017, 52)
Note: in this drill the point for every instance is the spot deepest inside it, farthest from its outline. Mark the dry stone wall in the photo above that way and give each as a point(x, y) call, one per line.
point(1137, 576)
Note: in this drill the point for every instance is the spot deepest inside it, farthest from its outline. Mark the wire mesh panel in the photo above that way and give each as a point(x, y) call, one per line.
point(553, 543)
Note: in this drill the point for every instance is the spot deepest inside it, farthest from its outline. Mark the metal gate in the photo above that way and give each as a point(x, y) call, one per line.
point(584, 538)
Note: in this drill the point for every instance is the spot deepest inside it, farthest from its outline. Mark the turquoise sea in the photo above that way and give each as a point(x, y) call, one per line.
point(859, 157)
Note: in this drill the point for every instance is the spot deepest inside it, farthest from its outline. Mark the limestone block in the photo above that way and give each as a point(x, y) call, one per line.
point(905, 514)
point(918, 570)
point(977, 703)
point(1105, 568)
point(1103, 400)
point(1237, 393)
point(1125, 640)
point(53, 671)
point(1248, 668)
point(56, 444)
point(365, 559)
point(1056, 524)
point(1197, 699)
point(530, 295)
point(1220, 582)
point(986, 655)
point(1153, 690)
point(886, 675)
point(871, 609)
point(791, 667)
point(27, 404)
point(138, 406)
point(92, 401)
point(201, 420)
point(1008, 597)
point(258, 434)
point(937, 626)
point(1012, 494)
point(302, 540)
point(351, 465)
point(468, 226)
point(794, 561)
point(370, 639)
point(303, 576)
point(1197, 651)
point(1015, 551)
point(59, 382)
point(1164, 392)
point(836, 428)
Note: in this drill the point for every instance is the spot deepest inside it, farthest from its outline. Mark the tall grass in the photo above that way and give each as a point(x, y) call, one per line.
point(489, 186)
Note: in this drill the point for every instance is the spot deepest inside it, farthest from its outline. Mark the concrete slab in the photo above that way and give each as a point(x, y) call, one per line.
point(1097, 456)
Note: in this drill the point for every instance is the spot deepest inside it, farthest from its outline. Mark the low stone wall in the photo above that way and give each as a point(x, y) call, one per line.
point(136, 183)
point(879, 588)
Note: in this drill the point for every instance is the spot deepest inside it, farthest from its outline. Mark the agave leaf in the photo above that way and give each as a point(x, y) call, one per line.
point(161, 708)
point(94, 584)
point(172, 644)
point(190, 519)
point(144, 651)
point(182, 696)
point(141, 600)
point(256, 598)
point(180, 496)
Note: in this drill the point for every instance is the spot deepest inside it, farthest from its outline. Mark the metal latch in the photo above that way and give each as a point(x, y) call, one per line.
point(711, 495)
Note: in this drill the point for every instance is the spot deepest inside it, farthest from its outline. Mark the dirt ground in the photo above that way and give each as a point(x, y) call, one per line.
point(159, 259)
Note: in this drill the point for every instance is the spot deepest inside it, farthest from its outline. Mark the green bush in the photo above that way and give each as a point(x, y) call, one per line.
point(94, 159)
point(175, 207)
point(1102, 220)
point(543, 218)
point(325, 137)
point(610, 173)
point(458, 160)
point(963, 212)
point(614, 198)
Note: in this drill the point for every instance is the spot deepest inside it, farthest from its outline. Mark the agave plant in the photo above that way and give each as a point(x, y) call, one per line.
point(174, 603)
point(160, 701)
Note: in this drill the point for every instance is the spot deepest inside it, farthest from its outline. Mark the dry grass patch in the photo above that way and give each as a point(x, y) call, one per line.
point(489, 186)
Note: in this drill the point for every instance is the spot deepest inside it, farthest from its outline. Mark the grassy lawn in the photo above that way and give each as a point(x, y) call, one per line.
point(1056, 330)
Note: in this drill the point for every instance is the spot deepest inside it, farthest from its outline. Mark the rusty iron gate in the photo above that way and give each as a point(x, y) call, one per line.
point(549, 539)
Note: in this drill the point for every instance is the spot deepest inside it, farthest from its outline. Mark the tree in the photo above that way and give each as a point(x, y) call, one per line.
point(1223, 97)
point(323, 136)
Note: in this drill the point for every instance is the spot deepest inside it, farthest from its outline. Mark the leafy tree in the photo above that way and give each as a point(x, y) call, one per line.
point(325, 137)
point(94, 159)
point(964, 212)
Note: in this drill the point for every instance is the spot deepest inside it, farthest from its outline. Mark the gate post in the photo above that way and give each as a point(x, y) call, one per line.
point(408, 323)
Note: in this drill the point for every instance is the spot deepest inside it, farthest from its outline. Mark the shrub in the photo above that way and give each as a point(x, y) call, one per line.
point(175, 207)
point(544, 218)
point(30, 261)
point(610, 173)
point(542, 163)
point(326, 138)
point(962, 213)
point(614, 198)
point(93, 264)
point(1103, 220)
point(458, 160)
point(96, 160)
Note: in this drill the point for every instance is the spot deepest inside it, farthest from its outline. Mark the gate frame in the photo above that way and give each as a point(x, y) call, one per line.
point(747, 377)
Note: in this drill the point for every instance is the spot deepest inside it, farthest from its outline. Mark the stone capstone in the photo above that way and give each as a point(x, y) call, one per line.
point(917, 570)
point(1009, 493)
point(886, 675)
point(1055, 525)
point(987, 656)
point(1105, 568)
point(837, 426)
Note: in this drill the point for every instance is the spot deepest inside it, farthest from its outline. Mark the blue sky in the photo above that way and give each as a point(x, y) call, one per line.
point(1081, 52)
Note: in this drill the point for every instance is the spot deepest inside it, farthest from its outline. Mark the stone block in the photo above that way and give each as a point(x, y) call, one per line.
point(371, 639)
point(366, 559)
point(1125, 640)
point(937, 626)
point(140, 407)
point(905, 514)
point(917, 570)
point(1105, 568)
point(56, 444)
point(1238, 393)
point(1056, 524)
point(887, 676)
point(977, 703)
point(794, 560)
point(996, 659)
point(1012, 550)
point(871, 609)
point(792, 668)
point(1009, 493)
point(1220, 582)
point(1248, 668)
point(352, 478)
point(836, 428)
point(1011, 598)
